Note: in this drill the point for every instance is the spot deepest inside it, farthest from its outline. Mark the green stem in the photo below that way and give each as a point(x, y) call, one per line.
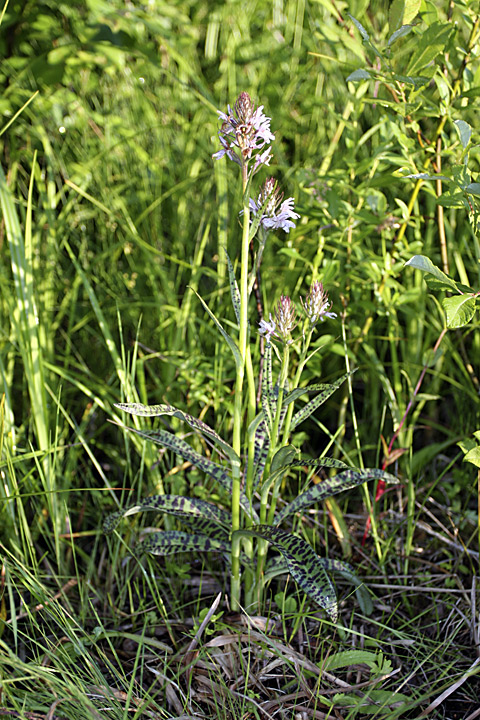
point(238, 401)
point(262, 545)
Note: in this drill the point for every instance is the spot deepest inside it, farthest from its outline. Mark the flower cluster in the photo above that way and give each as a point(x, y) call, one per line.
point(316, 305)
point(245, 130)
point(244, 136)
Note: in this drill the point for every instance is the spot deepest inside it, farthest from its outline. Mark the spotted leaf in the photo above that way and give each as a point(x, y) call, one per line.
point(269, 404)
point(175, 541)
point(311, 406)
point(156, 410)
point(201, 515)
point(333, 486)
point(303, 565)
point(217, 472)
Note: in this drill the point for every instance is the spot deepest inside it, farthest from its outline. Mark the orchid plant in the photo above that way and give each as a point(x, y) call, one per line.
point(253, 465)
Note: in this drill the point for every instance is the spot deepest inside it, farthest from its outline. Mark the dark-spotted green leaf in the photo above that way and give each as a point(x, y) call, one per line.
point(230, 342)
point(315, 403)
point(175, 541)
point(332, 486)
point(200, 513)
point(268, 396)
point(217, 472)
point(157, 410)
point(459, 310)
point(303, 565)
point(346, 571)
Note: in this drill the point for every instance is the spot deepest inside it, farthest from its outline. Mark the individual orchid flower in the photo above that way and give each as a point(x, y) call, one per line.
point(267, 328)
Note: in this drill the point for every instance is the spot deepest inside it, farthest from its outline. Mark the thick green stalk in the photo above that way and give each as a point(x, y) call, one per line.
point(262, 545)
point(238, 400)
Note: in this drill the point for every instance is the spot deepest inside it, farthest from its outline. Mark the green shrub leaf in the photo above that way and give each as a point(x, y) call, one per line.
point(459, 310)
point(423, 263)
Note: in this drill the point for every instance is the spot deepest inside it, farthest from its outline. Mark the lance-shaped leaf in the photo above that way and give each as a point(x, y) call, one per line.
point(423, 263)
point(157, 410)
point(311, 406)
point(199, 514)
point(230, 342)
point(278, 566)
point(269, 404)
point(346, 570)
point(303, 565)
point(287, 457)
point(332, 486)
point(318, 462)
point(175, 541)
point(234, 291)
point(261, 447)
point(218, 473)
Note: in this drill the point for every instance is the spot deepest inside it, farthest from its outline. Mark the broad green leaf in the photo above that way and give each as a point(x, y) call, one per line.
point(473, 456)
point(157, 410)
point(402, 12)
point(473, 189)
point(360, 28)
point(193, 509)
point(234, 291)
point(332, 486)
point(315, 403)
point(459, 310)
point(430, 44)
point(401, 32)
point(377, 662)
point(423, 263)
point(283, 457)
point(230, 342)
point(217, 472)
point(303, 565)
point(369, 704)
point(175, 541)
point(464, 131)
point(426, 176)
point(359, 74)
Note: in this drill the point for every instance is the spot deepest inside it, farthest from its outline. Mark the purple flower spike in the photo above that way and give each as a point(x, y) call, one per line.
point(245, 130)
point(277, 213)
point(316, 304)
point(285, 316)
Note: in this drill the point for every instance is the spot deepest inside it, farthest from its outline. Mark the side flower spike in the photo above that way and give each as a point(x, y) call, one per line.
point(277, 212)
